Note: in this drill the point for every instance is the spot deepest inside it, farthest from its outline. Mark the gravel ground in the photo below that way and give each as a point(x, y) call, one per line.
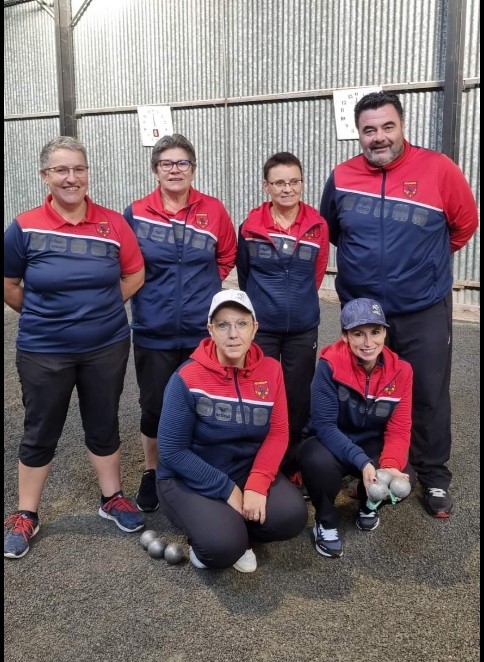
point(87, 592)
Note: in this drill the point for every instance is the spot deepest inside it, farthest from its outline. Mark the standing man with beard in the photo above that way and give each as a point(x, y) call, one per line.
point(396, 214)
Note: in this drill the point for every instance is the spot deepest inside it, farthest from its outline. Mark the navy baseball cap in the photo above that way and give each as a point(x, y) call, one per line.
point(362, 311)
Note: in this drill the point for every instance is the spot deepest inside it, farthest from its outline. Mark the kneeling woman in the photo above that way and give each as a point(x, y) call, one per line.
point(222, 435)
point(361, 408)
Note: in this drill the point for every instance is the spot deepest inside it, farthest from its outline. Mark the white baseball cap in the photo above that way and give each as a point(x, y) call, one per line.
point(230, 296)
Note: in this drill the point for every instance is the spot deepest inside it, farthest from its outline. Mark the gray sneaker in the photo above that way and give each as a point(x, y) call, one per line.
point(327, 541)
point(17, 540)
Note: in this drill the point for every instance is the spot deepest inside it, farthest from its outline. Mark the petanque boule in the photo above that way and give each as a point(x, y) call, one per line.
point(173, 553)
point(384, 476)
point(400, 487)
point(377, 491)
point(156, 548)
point(146, 537)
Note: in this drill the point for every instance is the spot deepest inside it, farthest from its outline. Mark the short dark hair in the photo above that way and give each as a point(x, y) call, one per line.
point(170, 142)
point(376, 100)
point(281, 158)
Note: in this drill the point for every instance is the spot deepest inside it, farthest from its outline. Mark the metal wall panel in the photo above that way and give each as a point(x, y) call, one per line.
point(287, 45)
point(137, 52)
point(29, 60)
point(22, 185)
point(147, 51)
point(472, 40)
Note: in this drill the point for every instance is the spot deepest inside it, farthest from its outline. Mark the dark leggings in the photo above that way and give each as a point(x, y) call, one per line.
point(218, 534)
point(323, 475)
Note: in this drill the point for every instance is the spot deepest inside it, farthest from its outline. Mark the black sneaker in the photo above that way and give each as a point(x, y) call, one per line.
point(146, 498)
point(327, 541)
point(367, 520)
point(438, 502)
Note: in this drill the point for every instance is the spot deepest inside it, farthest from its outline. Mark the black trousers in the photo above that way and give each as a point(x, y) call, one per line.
point(48, 381)
point(424, 339)
point(154, 367)
point(323, 475)
point(297, 355)
point(218, 534)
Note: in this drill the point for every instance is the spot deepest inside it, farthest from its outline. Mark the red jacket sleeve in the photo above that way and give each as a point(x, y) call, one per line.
point(269, 456)
point(226, 245)
point(459, 204)
point(396, 442)
point(322, 259)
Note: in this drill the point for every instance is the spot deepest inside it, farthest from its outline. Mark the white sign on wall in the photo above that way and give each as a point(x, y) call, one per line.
point(344, 105)
point(154, 123)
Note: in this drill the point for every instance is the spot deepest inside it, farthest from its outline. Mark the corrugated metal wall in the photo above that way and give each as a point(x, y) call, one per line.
point(245, 78)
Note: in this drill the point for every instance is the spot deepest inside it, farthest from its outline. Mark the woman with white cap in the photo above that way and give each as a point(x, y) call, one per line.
point(222, 435)
point(361, 406)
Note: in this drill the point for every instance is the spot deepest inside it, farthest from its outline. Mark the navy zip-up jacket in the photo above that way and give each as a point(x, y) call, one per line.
point(395, 227)
point(281, 273)
point(349, 407)
point(186, 257)
point(221, 426)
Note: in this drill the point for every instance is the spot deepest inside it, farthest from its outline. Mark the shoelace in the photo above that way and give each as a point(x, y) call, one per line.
point(23, 525)
point(437, 492)
point(369, 515)
point(120, 503)
point(328, 535)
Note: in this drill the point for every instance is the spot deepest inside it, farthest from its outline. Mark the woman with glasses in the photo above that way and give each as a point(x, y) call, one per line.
point(281, 261)
point(189, 246)
point(222, 435)
point(70, 265)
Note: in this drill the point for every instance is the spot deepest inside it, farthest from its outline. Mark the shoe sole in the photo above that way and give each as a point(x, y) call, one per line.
point(105, 515)
point(327, 555)
point(145, 510)
point(372, 528)
point(442, 514)
point(244, 570)
point(11, 555)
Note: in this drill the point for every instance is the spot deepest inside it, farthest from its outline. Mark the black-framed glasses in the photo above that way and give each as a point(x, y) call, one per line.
point(183, 165)
point(281, 184)
point(63, 171)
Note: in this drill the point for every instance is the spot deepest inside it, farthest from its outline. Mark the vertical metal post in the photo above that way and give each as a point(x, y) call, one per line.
point(454, 78)
point(65, 68)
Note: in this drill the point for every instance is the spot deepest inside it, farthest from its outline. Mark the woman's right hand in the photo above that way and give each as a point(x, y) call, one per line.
point(236, 499)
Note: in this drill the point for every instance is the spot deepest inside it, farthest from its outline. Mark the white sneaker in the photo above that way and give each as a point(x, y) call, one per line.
point(247, 562)
point(195, 560)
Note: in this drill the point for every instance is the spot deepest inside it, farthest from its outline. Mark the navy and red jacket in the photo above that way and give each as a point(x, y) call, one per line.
point(281, 273)
point(350, 407)
point(187, 256)
point(72, 299)
point(221, 426)
point(396, 227)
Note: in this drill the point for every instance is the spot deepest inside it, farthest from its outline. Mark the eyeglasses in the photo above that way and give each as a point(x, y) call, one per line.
point(63, 171)
point(281, 184)
point(241, 326)
point(182, 165)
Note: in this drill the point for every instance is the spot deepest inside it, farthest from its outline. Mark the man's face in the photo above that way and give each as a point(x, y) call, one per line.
point(381, 135)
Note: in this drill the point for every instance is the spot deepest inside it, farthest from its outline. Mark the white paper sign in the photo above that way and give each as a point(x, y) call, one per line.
point(344, 105)
point(154, 123)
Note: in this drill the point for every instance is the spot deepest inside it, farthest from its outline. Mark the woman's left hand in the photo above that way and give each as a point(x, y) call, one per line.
point(254, 506)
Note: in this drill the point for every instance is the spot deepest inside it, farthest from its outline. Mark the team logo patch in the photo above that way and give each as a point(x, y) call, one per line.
point(201, 220)
point(390, 388)
point(313, 233)
point(410, 189)
point(262, 389)
point(103, 228)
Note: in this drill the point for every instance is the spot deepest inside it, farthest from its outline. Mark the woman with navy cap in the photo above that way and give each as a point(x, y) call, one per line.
point(361, 404)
